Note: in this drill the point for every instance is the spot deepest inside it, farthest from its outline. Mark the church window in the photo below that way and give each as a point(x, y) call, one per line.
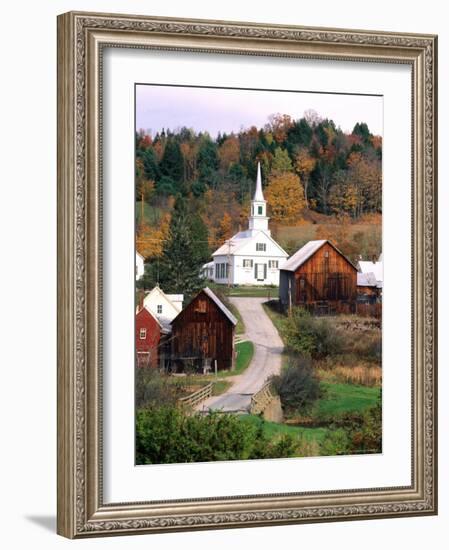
point(261, 247)
point(260, 210)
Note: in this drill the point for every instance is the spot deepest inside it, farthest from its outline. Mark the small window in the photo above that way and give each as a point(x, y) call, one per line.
point(143, 333)
point(159, 308)
point(273, 264)
point(247, 263)
point(326, 253)
point(261, 247)
point(260, 210)
point(200, 306)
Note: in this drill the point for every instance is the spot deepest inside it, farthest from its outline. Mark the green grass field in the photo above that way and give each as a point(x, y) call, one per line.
point(240, 328)
point(342, 398)
point(245, 352)
point(246, 291)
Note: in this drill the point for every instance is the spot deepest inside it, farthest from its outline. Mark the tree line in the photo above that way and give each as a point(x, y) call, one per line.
point(193, 191)
point(309, 159)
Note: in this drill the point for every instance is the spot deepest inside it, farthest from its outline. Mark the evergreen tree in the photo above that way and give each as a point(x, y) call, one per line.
point(208, 161)
point(180, 264)
point(200, 238)
point(150, 165)
point(171, 164)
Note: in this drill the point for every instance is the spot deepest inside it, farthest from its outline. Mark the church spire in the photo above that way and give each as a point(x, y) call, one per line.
point(258, 220)
point(258, 195)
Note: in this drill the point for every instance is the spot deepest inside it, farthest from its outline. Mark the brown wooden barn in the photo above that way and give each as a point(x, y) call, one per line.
point(204, 333)
point(148, 336)
point(320, 278)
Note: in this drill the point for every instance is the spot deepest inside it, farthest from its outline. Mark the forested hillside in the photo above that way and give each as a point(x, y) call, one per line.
point(319, 182)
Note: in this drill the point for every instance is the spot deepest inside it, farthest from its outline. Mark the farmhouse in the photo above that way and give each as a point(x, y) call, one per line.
point(165, 307)
point(250, 257)
point(319, 277)
point(204, 333)
point(148, 336)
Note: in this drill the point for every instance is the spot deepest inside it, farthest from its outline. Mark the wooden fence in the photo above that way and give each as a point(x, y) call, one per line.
point(196, 397)
point(261, 399)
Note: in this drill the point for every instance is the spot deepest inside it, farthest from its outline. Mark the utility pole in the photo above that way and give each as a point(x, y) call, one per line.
point(228, 263)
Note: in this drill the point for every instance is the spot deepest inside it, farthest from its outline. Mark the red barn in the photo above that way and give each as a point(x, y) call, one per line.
point(320, 278)
point(148, 336)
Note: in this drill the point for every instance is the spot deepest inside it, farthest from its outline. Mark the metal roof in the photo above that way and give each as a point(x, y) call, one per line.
point(366, 279)
point(373, 267)
point(303, 254)
point(220, 304)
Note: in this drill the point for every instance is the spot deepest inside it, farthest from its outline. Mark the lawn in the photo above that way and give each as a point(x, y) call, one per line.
point(240, 328)
point(342, 398)
point(245, 352)
point(246, 291)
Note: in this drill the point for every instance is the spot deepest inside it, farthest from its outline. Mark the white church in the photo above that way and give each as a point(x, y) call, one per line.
point(250, 257)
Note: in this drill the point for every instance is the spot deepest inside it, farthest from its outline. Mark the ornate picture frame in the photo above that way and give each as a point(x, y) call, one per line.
point(82, 38)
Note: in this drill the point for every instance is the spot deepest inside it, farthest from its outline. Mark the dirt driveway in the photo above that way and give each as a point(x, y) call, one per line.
point(266, 360)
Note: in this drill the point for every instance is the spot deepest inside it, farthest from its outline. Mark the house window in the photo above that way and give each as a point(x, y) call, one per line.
point(159, 308)
point(143, 333)
point(273, 264)
point(261, 247)
point(247, 263)
point(260, 210)
point(221, 271)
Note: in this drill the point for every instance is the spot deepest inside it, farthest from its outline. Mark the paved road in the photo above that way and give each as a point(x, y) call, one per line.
point(265, 362)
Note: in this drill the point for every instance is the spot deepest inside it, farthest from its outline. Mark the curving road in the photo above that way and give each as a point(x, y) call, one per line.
point(266, 360)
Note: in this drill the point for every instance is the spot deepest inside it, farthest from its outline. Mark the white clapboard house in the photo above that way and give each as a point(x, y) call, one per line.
point(165, 307)
point(250, 257)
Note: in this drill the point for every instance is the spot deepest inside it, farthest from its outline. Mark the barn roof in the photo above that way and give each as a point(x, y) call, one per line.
point(217, 302)
point(220, 304)
point(307, 251)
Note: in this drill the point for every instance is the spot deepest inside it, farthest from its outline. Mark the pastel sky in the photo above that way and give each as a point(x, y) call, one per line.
point(225, 110)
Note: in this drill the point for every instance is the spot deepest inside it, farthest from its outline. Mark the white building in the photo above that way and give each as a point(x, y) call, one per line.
point(140, 268)
point(165, 307)
point(250, 257)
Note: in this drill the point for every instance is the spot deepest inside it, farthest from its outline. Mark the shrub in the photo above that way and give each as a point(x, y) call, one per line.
point(309, 335)
point(154, 389)
point(355, 433)
point(166, 435)
point(297, 385)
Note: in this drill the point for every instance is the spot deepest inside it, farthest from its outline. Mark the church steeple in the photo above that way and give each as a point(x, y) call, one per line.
point(258, 220)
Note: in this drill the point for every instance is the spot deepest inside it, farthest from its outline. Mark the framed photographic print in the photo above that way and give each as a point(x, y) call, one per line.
point(246, 274)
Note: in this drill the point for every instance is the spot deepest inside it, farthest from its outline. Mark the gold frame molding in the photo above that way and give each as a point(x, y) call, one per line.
point(81, 37)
